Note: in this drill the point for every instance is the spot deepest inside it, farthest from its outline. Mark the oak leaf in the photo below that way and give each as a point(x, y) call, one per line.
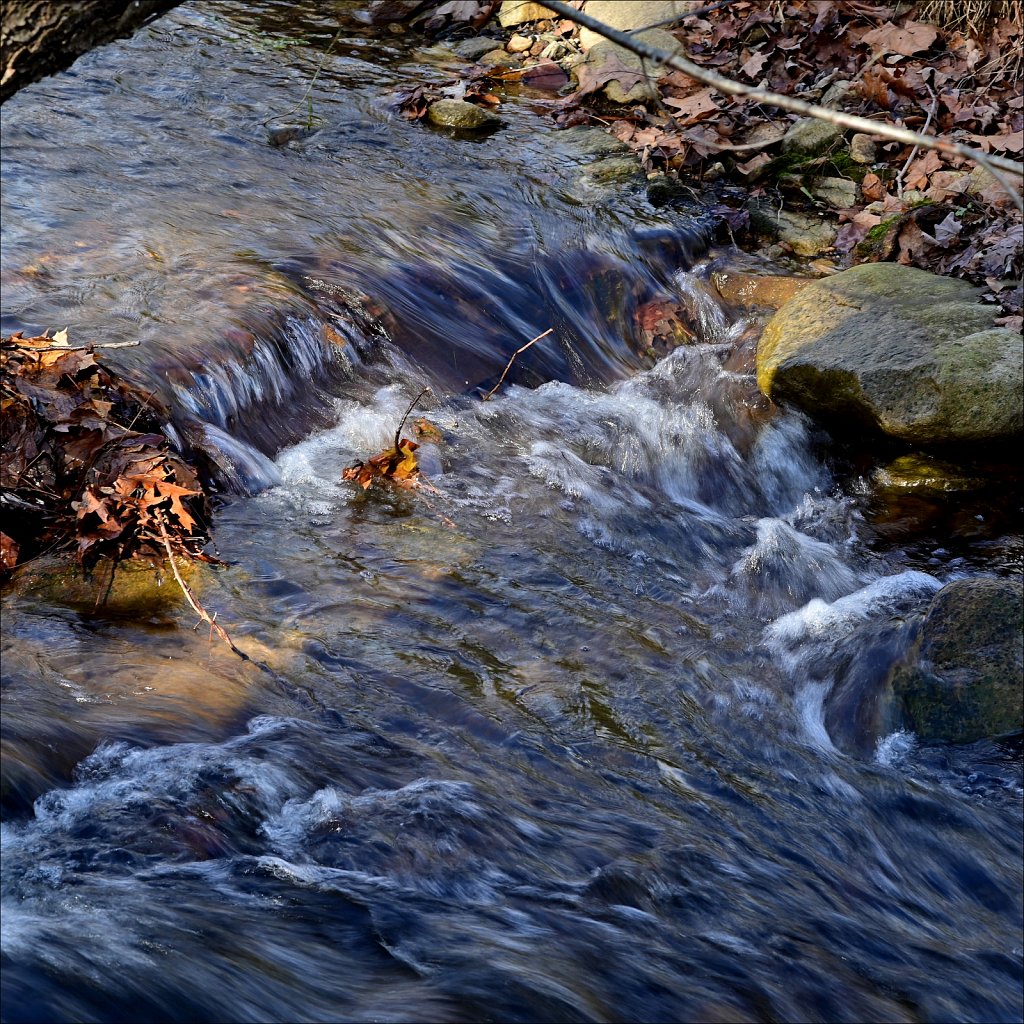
point(908, 40)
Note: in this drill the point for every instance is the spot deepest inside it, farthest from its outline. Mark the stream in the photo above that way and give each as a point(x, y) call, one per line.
point(579, 737)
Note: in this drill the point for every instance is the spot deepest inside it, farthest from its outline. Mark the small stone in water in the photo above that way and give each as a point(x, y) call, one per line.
point(460, 114)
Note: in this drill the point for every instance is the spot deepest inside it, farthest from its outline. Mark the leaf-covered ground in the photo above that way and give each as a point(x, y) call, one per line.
point(952, 69)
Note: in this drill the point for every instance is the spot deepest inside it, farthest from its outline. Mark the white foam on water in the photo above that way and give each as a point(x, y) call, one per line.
point(894, 749)
point(821, 621)
point(786, 568)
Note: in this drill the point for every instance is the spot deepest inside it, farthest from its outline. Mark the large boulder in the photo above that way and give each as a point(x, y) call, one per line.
point(962, 680)
point(909, 353)
point(604, 57)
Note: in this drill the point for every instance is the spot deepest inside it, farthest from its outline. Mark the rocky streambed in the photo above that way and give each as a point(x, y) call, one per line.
point(678, 701)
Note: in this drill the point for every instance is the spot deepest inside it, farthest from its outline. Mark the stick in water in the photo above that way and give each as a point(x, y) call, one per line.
point(412, 405)
point(517, 352)
point(204, 615)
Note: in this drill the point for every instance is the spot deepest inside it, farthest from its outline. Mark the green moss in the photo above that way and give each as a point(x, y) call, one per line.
point(846, 167)
point(873, 241)
point(879, 231)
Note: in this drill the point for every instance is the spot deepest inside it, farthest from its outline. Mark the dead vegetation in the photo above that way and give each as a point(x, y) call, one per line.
point(85, 466)
point(950, 70)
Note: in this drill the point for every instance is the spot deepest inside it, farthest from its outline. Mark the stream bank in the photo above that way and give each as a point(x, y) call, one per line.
point(580, 756)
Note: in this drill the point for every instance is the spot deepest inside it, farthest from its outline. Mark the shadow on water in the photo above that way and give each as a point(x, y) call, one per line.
point(581, 737)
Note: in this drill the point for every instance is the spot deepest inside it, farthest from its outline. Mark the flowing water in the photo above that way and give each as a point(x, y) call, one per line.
point(591, 734)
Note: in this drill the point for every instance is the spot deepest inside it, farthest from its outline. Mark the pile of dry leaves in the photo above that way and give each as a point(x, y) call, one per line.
point(84, 464)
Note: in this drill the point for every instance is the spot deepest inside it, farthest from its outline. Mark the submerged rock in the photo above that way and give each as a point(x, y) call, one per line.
point(909, 353)
point(136, 589)
point(460, 114)
point(963, 679)
point(592, 142)
point(613, 169)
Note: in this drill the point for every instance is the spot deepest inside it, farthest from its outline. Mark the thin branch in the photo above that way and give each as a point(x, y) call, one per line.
point(730, 88)
point(517, 352)
point(309, 88)
point(917, 149)
point(14, 343)
point(412, 405)
point(204, 615)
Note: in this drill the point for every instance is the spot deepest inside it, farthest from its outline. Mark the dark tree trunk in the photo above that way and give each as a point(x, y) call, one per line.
point(41, 37)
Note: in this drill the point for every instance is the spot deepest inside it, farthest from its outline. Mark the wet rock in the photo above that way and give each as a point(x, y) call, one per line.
point(380, 12)
point(907, 352)
point(863, 149)
point(963, 679)
point(663, 190)
point(460, 114)
point(924, 477)
point(806, 234)
point(771, 290)
point(474, 49)
point(520, 12)
point(839, 193)
point(613, 169)
point(593, 141)
point(137, 589)
point(811, 137)
point(281, 134)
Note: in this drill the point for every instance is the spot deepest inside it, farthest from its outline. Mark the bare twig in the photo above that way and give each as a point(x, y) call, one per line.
point(412, 405)
point(312, 82)
point(916, 149)
point(14, 343)
point(517, 352)
point(730, 88)
point(204, 615)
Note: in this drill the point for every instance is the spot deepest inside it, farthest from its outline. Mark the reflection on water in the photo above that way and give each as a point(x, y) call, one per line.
point(563, 741)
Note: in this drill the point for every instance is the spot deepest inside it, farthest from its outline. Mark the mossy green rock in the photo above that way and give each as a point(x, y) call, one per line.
point(963, 679)
point(909, 353)
point(137, 589)
point(460, 114)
